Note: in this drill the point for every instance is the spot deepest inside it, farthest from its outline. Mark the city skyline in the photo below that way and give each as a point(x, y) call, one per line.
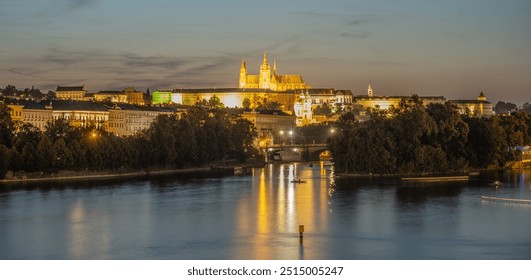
point(451, 48)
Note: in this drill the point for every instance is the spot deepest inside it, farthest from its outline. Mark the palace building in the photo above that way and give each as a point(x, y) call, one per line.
point(373, 101)
point(475, 108)
point(256, 90)
point(267, 80)
point(71, 92)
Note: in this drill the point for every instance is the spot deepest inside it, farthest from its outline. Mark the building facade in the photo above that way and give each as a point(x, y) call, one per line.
point(79, 113)
point(476, 108)
point(71, 92)
point(267, 80)
point(269, 123)
point(373, 101)
point(127, 120)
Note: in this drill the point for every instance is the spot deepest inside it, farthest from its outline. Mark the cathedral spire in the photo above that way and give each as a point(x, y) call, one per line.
point(243, 63)
point(369, 90)
point(274, 67)
point(265, 58)
point(243, 75)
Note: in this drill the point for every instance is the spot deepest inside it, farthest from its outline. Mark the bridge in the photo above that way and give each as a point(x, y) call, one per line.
point(305, 152)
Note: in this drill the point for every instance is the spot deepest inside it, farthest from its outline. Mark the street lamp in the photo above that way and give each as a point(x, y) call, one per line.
point(291, 136)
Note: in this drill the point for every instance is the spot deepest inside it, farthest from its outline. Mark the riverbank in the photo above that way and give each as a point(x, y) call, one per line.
point(417, 176)
point(225, 167)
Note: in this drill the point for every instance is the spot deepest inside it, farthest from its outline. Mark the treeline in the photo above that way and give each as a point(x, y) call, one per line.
point(201, 136)
point(414, 139)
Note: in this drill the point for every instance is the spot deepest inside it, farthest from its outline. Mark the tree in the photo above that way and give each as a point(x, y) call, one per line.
point(504, 108)
point(526, 108)
point(246, 103)
point(5, 160)
point(27, 133)
point(323, 109)
point(6, 126)
point(215, 102)
point(29, 157)
point(242, 135)
point(62, 156)
point(44, 153)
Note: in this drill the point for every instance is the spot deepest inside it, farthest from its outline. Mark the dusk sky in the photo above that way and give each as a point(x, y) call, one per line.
point(455, 48)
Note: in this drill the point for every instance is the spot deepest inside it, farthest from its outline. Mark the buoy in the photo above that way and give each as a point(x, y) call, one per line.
point(301, 230)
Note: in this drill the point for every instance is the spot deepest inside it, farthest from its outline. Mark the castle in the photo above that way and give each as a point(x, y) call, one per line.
point(266, 80)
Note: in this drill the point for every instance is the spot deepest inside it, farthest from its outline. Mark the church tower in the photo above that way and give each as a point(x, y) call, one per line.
point(265, 73)
point(481, 97)
point(243, 74)
point(369, 90)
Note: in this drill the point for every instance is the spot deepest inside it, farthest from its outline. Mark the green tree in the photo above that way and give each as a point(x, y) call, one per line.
point(44, 153)
point(62, 156)
point(5, 160)
point(29, 156)
point(6, 126)
point(27, 133)
point(242, 135)
point(246, 103)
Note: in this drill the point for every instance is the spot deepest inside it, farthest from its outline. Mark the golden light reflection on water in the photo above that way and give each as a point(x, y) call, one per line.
point(282, 205)
point(81, 234)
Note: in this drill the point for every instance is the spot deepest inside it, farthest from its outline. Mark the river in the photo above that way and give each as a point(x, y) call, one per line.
point(257, 216)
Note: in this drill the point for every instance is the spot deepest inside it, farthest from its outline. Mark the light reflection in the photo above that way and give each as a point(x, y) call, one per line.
point(82, 239)
point(281, 206)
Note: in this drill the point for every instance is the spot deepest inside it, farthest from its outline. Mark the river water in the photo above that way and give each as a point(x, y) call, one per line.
point(258, 216)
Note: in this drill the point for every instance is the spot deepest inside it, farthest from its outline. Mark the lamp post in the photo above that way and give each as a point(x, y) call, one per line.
point(281, 138)
point(291, 137)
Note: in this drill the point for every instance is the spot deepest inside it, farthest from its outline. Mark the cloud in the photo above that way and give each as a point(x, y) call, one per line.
point(355, 35)
point(72, 5)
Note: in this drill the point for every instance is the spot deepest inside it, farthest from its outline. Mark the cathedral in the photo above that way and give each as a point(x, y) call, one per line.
point(268, 80)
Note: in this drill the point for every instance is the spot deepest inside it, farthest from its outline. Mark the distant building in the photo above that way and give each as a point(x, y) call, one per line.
point(269, 123)
point(134, 97)
point(31, 112)
point(79, 113)
point(373, 101)
point(303, 110)
point(126, 119)
point(128, 95)
point(476, 108)
point(319, 96)
point(110, 96)
point(267, 80)
point(257, 89)
point(71, 92)
point(230, 97)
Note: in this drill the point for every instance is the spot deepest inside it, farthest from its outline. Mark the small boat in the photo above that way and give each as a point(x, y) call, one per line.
point(298, 181)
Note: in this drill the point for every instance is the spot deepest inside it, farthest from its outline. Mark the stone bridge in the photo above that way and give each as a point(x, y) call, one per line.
point(294, 152)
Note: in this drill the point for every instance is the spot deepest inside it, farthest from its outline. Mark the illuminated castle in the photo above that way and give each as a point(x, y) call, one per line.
point(266, 80)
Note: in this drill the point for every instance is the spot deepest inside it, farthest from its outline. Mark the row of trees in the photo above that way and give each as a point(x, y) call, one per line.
point(201, 136)
point(507, 107)
point(414, 139)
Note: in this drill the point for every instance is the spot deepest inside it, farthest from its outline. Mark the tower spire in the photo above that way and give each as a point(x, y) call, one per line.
point(274, 67)
point(243, 75)
point(369, 90)
point(243, 63)
point(265, 58)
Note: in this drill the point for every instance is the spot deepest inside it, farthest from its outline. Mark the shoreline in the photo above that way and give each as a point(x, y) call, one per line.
point(215, 167)
point(102, 176)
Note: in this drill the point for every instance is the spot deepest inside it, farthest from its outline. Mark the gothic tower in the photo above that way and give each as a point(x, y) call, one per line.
point(265, 73)
point(243, 74)
point(369, 91)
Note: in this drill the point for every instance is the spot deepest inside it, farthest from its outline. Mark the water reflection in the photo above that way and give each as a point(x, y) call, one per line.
point(257, 217)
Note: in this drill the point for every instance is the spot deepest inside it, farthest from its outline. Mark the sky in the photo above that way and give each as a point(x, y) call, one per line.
point(454, 48)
